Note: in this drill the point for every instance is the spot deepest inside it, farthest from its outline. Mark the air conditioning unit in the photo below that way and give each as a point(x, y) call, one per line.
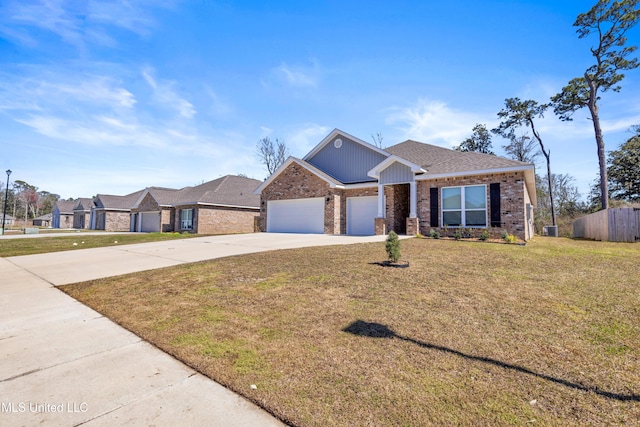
point(550, 230)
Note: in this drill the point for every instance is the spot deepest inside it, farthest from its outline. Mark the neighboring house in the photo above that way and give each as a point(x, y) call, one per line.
point(153, 210)
point(224, 205)
point(62, 215)
point(8, 220)
point(43, 220)
point(82, 213)
point(347, 186)
point(113, 213)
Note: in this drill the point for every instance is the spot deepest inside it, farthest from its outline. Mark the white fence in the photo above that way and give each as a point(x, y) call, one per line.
point(614, 225)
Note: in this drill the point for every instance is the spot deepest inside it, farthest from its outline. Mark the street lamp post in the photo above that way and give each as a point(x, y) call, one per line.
point(6, 195)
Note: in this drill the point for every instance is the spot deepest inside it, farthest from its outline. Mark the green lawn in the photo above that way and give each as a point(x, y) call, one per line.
point(470, 334)
point(39, 245)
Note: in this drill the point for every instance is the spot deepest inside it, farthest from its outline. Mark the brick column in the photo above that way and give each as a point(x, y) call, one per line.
point(380, 226)
point(412, 226)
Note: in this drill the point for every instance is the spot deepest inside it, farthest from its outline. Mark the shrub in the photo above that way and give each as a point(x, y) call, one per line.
point(457, 234)
point(484, 235)
point(434, 233)
point(392, 246)
point(419, 235)
point(509, 238)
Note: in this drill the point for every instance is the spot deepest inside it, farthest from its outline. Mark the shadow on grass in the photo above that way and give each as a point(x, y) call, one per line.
point(376, 330)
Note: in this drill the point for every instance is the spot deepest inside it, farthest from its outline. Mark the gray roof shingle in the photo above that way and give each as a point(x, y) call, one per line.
point(109, 201)
point(65, 206)
point(229, 190)
point(83, 204)
point(438, 160)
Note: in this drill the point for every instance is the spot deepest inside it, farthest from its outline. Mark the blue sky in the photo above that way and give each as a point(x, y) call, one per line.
point(112, 96)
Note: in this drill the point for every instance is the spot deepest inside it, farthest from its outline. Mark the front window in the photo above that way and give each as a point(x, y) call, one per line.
point(464, 206)
point(187, 219)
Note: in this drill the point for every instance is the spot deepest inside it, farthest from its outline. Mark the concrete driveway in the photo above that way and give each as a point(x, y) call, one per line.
point(62, 363)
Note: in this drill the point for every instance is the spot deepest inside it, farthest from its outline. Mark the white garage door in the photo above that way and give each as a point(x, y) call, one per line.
point(361, 214)
point(149, 222)
point(296, 216)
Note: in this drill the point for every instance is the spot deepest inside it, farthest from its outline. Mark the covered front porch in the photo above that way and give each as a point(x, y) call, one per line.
point(397, 209)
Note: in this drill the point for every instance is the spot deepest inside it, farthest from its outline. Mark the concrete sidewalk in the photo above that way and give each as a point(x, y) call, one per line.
point(62, 363)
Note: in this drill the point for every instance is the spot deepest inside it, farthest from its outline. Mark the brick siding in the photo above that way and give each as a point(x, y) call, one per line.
point(217, 220)
point(296, 182)
point(117, 221)
point(512, 195)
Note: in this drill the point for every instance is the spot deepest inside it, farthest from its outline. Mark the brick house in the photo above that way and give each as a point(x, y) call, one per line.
point(62, 214)
point(347, 186)
point(112, 213)
point(224, 205)
point(82, 213)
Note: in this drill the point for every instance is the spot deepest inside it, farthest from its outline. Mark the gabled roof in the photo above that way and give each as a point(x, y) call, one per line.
point(425, 160)
point(45, 217)
point(333, 183)
point(83, 204)
point(337, 132)
point(65, 206)
point(375, 172)
point(229, 190)
point(109, 201)
point(163, 196)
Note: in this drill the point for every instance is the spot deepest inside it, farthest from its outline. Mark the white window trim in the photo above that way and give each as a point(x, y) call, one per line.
point(186, 221)
point(462, 208)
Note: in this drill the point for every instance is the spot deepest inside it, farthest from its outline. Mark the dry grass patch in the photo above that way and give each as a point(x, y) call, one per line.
point(470, 334)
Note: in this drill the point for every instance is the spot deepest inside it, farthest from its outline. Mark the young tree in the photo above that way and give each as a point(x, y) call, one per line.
point(392, 246)
point(624, 169)
point(272, 154)
point(609, 20)
point(517, 113)
point(479, 141)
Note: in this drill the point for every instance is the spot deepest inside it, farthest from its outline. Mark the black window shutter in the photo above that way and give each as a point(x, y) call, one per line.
point(494, 197)
point(433, 206)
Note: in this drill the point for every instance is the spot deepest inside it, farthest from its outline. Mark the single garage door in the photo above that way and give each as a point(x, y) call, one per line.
point(296, 216)
point(149, 222)
point(361, 214)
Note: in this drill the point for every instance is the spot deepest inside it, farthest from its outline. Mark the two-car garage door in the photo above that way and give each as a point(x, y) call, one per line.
point(307, 215)
point(296, 216)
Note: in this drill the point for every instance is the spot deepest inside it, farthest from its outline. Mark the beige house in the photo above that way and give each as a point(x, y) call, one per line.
point(348, 186)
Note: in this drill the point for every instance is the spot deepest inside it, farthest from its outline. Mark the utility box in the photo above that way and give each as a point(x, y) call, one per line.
point(550, 230)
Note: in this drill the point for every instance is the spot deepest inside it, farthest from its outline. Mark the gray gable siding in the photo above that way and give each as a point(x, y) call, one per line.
point(397, 173)
point(349, 163)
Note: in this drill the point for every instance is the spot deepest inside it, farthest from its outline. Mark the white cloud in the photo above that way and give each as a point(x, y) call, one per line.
point(219, 108)
point(295, 76)
point(47, 90)
point(434, 122)
point(77, 23)
point(166, 96)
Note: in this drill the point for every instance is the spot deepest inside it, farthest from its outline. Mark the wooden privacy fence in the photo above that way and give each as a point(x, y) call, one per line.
point(614, 225)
